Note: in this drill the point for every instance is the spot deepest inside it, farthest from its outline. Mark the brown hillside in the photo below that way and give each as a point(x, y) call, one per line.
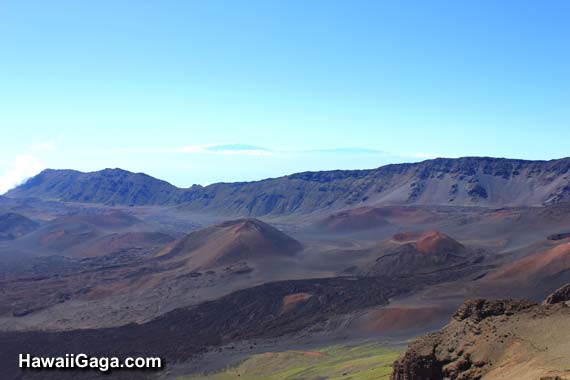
point(412, 254)
point(536, 268)
point(361, 218)
point(231, 242)
point(435, 242)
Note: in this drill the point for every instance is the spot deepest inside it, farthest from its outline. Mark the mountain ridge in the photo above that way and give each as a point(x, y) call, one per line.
point(466, 181)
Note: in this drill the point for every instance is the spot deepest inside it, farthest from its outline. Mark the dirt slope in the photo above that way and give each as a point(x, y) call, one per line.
point(230, 242)
point(357, 219)
point(533, 274)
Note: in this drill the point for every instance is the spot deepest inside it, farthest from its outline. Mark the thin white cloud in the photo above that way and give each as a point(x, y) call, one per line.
point(252, 150)
point(26, 164)
point(229, 149)
point(212, 149)
point(21, 168)
point(344, 151)
point(46, 146)
point(236, 148)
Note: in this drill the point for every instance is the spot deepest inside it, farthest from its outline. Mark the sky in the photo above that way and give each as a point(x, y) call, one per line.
point(237, 90)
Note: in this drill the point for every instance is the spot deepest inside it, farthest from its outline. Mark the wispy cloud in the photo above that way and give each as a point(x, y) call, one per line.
point(19, 169)
point(345, 151)
point(253, 150)
point(374, 156)
point(26, 164)
point(235, 149)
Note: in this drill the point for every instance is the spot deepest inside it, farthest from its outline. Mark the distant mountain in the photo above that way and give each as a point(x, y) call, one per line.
point(109, 186)
point(468, 181)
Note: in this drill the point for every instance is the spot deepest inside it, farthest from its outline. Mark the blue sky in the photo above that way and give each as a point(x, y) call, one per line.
point(208, 91)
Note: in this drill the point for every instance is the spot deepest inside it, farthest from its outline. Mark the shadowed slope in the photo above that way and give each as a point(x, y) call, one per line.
point(14, 225)
point(178, 335)
point(109, 186)
point(67, 235)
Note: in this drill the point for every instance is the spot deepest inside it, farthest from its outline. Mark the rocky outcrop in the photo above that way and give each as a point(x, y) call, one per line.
point(561, 295)
point(493, 340)
point(442, 355)
point(478, 309)
point(560, 236)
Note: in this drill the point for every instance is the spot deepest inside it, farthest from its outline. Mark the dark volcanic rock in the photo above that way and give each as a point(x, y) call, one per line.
point(559, 296)
point(561, 236)
point(478, 191)
point(418, 363)
point(479, 309)
point(258, 312)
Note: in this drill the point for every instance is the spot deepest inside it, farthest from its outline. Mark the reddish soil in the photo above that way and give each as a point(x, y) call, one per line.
point(357, 219)
point(291, 300)
point(434, 241)
point(538, 266)
point(401, 320)
point(229, 243)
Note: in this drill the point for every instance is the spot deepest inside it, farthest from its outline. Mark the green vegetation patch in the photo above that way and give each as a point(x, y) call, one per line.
point(370, 361)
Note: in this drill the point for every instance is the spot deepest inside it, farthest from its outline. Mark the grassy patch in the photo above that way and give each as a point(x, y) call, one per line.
point(340, 362)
